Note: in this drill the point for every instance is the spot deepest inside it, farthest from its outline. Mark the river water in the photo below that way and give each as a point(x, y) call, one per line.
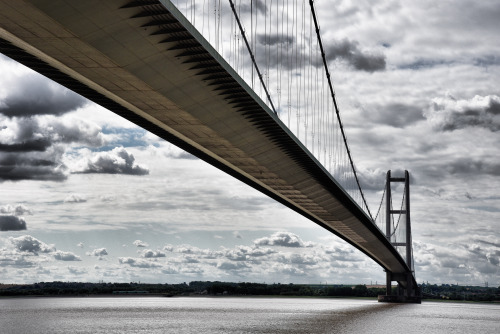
point(241, 315)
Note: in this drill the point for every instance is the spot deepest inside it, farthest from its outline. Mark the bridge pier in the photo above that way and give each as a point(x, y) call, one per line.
point(399, 299)
point(406, 291)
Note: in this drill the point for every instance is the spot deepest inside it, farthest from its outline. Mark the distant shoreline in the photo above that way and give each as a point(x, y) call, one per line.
point(443, 293)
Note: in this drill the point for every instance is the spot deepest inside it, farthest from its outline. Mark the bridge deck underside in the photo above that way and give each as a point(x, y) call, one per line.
point(142, 63)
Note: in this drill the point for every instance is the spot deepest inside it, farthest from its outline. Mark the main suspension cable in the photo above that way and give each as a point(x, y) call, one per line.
point(332, 92)
point(381, 202)
point(252, 56)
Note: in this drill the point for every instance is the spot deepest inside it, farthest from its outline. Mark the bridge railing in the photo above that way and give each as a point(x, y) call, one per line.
point(274, 48)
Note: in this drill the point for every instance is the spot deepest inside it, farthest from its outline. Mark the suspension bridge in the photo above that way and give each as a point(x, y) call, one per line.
point(243, 85)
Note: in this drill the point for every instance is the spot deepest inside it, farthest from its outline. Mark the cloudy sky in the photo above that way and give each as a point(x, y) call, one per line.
point(88, 196)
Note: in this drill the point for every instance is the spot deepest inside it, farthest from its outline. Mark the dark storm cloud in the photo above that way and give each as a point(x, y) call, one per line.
point(20, 167)
point(494, 258)
point(349, 51)
point(471, 166)
point(283, 54)
point(486, 61)
point(425, 64)
point(12, 223)
point(274, 39)
point(275, 51)
point(497, 245)
point(117, 161)
point(274, 57)
point(26, 146)
point(449, 113)
point(396, 114)
point(35, 95)
point(37, 134)
point(487, 256)
point(34, 133)
point(32, 148)
point(372, 137)
point(186, 155)
point(258, 5)
point(372, 179)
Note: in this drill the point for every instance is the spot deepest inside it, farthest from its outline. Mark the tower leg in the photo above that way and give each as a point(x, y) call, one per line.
point(388, 286)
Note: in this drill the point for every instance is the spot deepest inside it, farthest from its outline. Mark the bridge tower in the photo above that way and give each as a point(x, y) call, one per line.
point(407, 291)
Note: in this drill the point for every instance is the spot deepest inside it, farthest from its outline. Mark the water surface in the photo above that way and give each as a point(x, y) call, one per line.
point(241, 315)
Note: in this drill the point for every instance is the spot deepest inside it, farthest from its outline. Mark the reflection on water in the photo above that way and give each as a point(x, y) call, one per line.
point(241, 315)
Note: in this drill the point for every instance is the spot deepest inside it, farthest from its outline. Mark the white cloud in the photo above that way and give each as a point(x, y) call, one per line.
point(98, 252)
point(288, 270)
point(138, 262)
point(449, 113)
point(77, 271)
point(232, 266)
point(168, 248)
point(186, 249)
point(66, 256)
point(168, 270)
point(148, 253)
point(75, 198)
point(116, 161)
point(26, 243)
point(17, 210)
point(139, 243)
point(286, 239)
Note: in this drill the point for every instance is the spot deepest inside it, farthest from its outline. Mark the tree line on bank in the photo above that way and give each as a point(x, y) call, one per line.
point(217, 288)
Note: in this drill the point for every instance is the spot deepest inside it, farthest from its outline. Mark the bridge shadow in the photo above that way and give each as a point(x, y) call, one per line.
point(359, 319)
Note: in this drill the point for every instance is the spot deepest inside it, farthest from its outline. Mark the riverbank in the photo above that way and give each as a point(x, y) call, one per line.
point(242, 289)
